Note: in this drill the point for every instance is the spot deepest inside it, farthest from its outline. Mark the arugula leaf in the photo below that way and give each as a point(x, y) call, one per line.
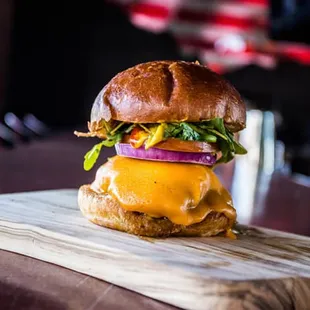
point(130, 128)
point(239, 148)
point(219, 125)
point(144, 128)
point(91, 156)
point(116, 128)
point(217, 133)
point(189, 133)
point(209, 138)
point(195, 128)
point(173, 130)
point(227, 154)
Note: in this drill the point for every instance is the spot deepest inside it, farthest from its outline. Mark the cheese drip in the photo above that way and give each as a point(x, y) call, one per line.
point(184, 193)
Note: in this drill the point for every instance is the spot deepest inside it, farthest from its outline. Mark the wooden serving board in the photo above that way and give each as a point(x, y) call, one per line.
point(262, 269)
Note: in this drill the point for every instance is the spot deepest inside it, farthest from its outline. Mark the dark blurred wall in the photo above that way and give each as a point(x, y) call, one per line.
point(6, 8)
point(64, 54)
point(290, 20)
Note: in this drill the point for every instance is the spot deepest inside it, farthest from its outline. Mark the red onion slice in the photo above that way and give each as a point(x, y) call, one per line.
point(126, 150)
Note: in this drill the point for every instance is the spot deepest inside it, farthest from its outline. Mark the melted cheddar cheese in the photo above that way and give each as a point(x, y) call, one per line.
point(184, 193)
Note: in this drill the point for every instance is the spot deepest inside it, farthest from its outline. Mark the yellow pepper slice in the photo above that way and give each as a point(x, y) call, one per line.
point(157, 135)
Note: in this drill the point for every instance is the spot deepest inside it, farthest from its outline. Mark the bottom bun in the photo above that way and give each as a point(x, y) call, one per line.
point(104, 210)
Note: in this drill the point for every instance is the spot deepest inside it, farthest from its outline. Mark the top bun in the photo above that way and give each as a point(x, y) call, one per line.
point(169, 91)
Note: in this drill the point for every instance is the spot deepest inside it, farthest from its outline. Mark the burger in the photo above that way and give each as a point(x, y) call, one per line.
point(171, 123)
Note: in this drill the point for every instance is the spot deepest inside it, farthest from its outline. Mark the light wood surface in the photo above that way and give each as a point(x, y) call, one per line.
point(262, 269)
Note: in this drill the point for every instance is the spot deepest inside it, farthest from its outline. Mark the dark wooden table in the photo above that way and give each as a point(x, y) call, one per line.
point(56, 162)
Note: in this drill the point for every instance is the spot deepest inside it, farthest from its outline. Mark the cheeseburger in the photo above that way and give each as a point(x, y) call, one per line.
point(170, 122)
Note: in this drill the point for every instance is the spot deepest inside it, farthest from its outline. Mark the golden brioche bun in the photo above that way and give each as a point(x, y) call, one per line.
point(104, 210)
point(169, 91)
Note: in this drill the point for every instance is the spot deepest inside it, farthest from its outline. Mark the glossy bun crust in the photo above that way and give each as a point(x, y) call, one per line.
point(104, 210)
point(169, 91)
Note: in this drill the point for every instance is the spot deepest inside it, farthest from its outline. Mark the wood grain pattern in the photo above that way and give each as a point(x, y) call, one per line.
point(263, 269)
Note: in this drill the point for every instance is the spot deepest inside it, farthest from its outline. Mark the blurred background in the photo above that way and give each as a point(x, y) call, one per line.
point(55, 58)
